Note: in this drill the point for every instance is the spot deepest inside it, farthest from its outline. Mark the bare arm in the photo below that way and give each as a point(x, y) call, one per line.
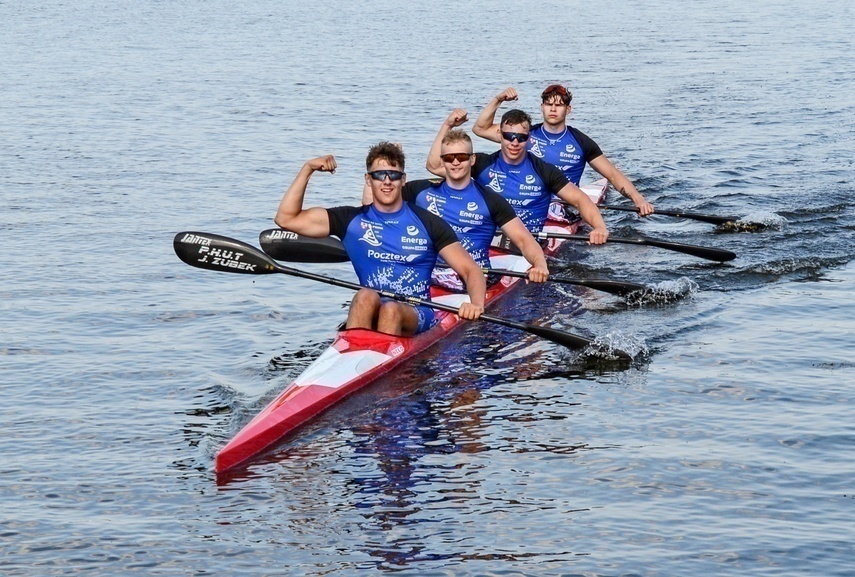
point(588, 211)
point(367, 195)
point(471, 274)
point(484, 126)
point(292, 216)
point(434, 164)
point(522, 239)
point(621, 183)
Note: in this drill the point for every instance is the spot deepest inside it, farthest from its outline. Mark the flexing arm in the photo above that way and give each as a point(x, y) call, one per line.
point(588, 211)
point(471, 274)
point(434, 164)
point(522, 239)
point(484, 126)
point(367, 194)
point(621, 183)
point(312, 222)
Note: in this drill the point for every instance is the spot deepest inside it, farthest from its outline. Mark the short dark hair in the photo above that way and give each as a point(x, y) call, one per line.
point(387, 151)
point(516, 116)
point(556, 90)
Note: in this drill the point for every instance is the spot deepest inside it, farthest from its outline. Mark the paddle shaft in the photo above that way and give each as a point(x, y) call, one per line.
point(215, 252)
point(289, 246)
point(694, 250)
point(710, 218)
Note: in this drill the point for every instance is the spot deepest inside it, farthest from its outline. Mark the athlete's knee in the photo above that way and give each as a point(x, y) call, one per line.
point(365, 299)
point(390, 313)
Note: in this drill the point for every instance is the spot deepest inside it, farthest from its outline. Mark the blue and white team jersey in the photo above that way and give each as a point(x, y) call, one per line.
point(527, 186)
point(392, 251)
point(569, 150)
point(473, 212)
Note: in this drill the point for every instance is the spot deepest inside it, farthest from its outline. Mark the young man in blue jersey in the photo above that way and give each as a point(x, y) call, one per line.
point(392, 245)
point(557, 143)
point(473, 211)
point(524, 180)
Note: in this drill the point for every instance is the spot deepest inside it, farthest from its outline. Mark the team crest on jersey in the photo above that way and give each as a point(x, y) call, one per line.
point(472, 206)
point(369, 236)
point(535, 148)
point(433, 208)
point(529, 179)
point(494, 183)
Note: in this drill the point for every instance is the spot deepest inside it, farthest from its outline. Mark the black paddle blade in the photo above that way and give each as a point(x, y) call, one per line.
point(292, 247)
point(705, 252)
point(614, 287)
point(215, 252)
point(570, 340)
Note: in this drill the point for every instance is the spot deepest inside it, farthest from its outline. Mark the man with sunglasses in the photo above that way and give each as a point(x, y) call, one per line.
point(554, 141)
point(392, 245)
point(473, 211)
point(524, 180)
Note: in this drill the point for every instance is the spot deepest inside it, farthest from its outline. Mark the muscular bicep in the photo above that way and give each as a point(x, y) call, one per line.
point(517, 232)
point(459, 260)
point(492, 132)
point(314, 222)
point(574, 195)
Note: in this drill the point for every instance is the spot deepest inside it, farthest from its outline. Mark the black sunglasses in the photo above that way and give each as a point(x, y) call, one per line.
point(458, 156)
point(382, 174)
point(515, 136)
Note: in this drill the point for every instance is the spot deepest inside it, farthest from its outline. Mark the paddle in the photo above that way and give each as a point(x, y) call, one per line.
point(694, 250)
point(710, 218)
point(292, 247)
point(220, 253)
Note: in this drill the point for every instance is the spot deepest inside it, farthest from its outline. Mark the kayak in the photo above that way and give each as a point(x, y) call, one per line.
point(357, 357)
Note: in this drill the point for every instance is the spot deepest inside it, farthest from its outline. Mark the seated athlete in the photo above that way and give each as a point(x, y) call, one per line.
point(392, 245)
point(473, 211)
point(557, 143)
point(524, 180)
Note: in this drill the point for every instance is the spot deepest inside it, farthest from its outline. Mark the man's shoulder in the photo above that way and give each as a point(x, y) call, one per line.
point(347, 210)
point(578, 134)
point(484, 160)
point(414, 187)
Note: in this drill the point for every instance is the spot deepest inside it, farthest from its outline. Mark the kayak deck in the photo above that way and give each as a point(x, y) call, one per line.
point(358, 357)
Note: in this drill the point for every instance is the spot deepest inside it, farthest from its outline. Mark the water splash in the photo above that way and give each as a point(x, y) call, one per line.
point(755, 222)
point(606, 345)
point(664, 292)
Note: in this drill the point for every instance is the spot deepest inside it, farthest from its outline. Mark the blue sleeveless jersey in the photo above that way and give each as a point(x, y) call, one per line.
point(528, 186)
point(391, 251)
point(569, 150)
point(473, 212)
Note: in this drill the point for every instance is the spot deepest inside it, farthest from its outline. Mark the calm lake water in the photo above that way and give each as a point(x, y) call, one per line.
point(726, 448)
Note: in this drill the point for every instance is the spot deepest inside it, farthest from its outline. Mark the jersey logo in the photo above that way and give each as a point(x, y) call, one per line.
point(529, 179)
point(472, 206)
point(369, 236)
point(495, 184)
point(432, 207)
point(412, 230)
point(535, 148)
point(570, 148)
